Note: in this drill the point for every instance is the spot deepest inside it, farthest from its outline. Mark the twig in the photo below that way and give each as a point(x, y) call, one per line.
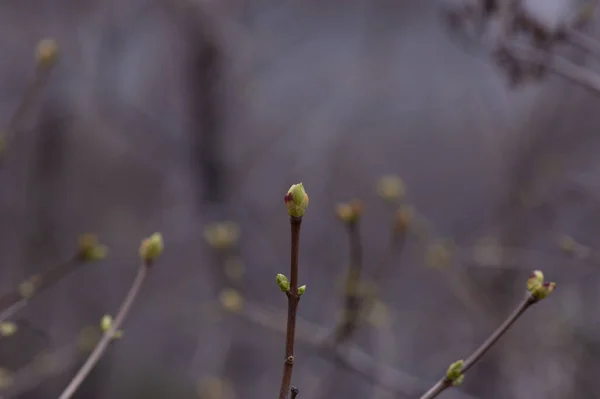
point(42, 72)
point(446, 382)
point(101, 347)
point(293, 299)
point(13, 301)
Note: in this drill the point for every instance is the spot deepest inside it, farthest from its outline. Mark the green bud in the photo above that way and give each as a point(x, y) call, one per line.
point(151, 248)
point(296, 200)
point(46, 52)
point(90, 250)
point(459, 380)
point(301, 290)
point(535, 280)
point(455, 371)
point(7, 328)
point(544, 290)
point(283, 283)
point(106, 324)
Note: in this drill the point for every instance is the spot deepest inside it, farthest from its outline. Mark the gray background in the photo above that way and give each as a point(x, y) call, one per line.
point(167, 115)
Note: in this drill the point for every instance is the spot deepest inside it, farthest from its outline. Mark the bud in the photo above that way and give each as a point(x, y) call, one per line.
point(544, 290)
point(301, 290)
point(349, 212)
point(231, 300)
point(296, 200)
point(106, 324)
point(283, 283)
point(47, 52)
point(222, 235)
point(454, 372)
point(535, 280)
point(7, 328)
point(151, 248)
point(90, 250)
point(390, 188)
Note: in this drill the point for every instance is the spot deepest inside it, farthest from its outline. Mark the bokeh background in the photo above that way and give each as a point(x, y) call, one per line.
point(173, 115)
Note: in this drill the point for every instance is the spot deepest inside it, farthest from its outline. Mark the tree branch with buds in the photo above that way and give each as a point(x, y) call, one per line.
point(296, 201)
point(537, 290)
point(150, 249)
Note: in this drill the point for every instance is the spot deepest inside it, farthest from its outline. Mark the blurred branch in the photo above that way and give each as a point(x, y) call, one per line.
point(46, 53)
point(88, 251)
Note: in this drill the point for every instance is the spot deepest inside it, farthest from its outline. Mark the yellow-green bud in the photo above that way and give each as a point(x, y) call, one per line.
point(455, 371)
point(349, 212)
point(390, 188)
point(151, 248)
point(90, 250)
point(7, 328)
point(535, 280)
point(296, 200)
point(301, 290)
point(283, 283)
point(47, 52)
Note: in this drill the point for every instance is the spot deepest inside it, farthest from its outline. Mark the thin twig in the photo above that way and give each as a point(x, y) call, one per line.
point(101, 347)
point(18, 118)
point(446, 383)
point(293, 299)
point(17, 299)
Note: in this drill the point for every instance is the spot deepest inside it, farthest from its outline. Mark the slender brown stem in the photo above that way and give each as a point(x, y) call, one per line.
point(21, 113)
point(293, 299)
point(446, 383)
point(15, 300)
point(101, 347)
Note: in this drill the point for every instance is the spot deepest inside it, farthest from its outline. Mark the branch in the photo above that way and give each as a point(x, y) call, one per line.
point(150, 250)
point(293, 300)
point(89, 251)
point(537, 290)
point(296, 201)
point(46, 54)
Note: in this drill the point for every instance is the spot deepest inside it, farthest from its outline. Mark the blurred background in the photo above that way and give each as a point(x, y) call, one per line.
point(180, 115)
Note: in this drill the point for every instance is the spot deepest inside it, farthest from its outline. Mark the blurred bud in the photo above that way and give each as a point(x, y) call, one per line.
point(222, 235)
point(27, 289)
point(391, 188)
point(231, 300)
point(283, 283)
point(403, 218)
point(88, 338)
point(7, 328)
point(215, 388)
point(2, 143)
point(89, 249)
point(151, 248)
point(454, 372)
point(6, 378)
point(301, 290)
point(47, 52)
point(438, 256)
point(296, 200)
point(349, 212)
point(106, 324)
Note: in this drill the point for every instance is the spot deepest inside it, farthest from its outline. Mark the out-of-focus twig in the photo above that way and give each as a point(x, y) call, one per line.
point(150, 250)
point(46, 53)
point(89, 250)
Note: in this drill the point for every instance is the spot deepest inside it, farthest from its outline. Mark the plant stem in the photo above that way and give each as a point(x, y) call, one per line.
point(446, 383)
point(101, 347)
point(13, 301)
point(20, 115)
point(293, 299)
